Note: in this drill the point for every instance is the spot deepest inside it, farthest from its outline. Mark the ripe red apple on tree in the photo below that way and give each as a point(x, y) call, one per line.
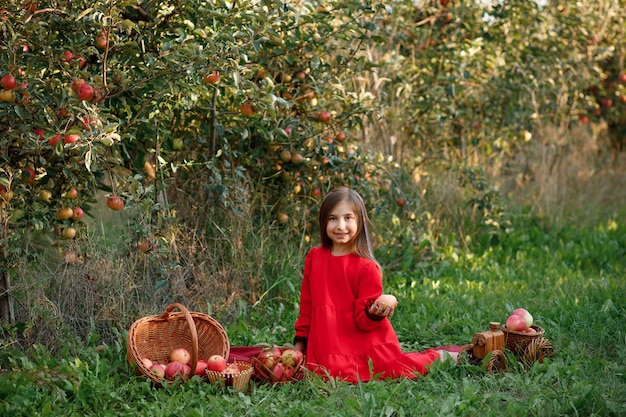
point(54, 140)
point(324, 116)
point(102, 40)
point(28, 175)
point(115, 202)
point(247, 109)
point(622, 77)
point(212, 77)
point(8, 82)
point(341, 137)
point(216, 363)
point(71, 138)
point(68, 56)
point(71, 194)
point(181, 355)
point(77, 214)
point(7, 195)
point(65, 213)
point(85, 92)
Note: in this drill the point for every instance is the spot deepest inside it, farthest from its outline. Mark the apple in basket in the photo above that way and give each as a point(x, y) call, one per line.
point(231, 369)
point(146, 362)
point(523, 313)
point(216, 363)
point(515, 323)
point(201, 367)
point(278, 372)
point(158, 370)
point(174, 369)
point(289, 358)
point(180, 355)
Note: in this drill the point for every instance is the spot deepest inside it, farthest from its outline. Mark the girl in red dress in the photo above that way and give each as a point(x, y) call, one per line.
point(343, 325)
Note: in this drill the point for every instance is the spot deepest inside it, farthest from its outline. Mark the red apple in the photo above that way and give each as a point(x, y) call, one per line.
point(278, 372)
point(8, 82)
point(28, 175)
point(289, 357)
point(341, 137)
point(266, 358)
point(247, 109)
point(525, 315)
point(212, 77)
point(387, 300)
point(622, 77)
point(7, 195)
point(65, 213)
point(201, 367)
point(54, 140)
point(158, 370)
point(317, 192)
point(324, 116)
point(216, 363)
point(231, 369)
point(583, 119)
point(401, 202)
point(102, 40)
point(71, 138)
point(180, 355)
point(115, 202)
point(146, 362)
point(68, 56)
point(282, 217)
point(174, 369)
point(85, 92)
point(71, 194)
point(78, 216)
point(515, 323)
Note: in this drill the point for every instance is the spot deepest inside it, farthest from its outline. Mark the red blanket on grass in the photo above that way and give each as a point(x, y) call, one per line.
point(245, 353)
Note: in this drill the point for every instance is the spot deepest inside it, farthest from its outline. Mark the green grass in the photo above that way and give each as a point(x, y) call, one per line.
point(572, 280)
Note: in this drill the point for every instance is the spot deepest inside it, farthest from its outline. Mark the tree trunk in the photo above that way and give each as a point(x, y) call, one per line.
point(6, 305)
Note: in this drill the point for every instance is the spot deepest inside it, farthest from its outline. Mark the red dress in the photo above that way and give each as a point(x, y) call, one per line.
point(342, 340)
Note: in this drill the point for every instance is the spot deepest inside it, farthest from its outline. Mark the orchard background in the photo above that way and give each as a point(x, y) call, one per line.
point(193, 142)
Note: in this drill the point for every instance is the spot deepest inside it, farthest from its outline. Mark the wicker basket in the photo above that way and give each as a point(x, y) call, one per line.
point(290, 372)
point(238, 381)
point(518, 341)
point(154, 337)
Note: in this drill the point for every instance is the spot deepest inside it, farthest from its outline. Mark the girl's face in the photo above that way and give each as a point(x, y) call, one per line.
point(342, 227)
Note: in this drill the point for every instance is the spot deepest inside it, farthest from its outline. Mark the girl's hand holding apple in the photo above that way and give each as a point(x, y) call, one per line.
point(384, 305)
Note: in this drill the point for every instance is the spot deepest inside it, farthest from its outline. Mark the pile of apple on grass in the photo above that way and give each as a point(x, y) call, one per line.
point(177, 345)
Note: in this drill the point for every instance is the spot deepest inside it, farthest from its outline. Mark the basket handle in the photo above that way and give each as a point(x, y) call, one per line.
point(194, 332)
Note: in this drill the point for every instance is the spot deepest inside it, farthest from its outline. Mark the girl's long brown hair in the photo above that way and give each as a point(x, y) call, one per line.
point(361, 244)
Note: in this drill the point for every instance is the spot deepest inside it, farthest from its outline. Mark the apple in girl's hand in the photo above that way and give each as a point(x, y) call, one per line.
point(524, 314)
point(515, 323)
point(387, 300)
point(216, 363)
